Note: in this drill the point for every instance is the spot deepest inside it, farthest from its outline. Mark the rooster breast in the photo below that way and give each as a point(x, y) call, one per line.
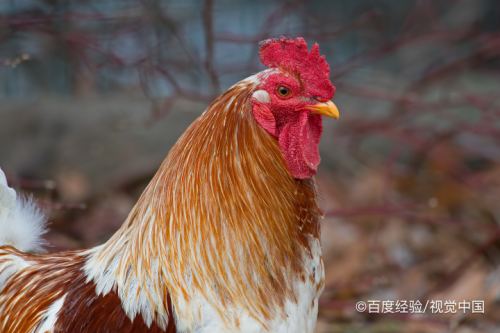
point(300, 313)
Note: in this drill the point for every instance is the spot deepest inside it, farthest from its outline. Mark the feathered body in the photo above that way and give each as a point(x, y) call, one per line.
point(223, 239)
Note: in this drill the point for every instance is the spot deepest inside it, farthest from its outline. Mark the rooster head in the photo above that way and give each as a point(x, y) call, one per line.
point(291, 96)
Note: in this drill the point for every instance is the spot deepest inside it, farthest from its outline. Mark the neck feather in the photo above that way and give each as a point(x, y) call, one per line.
point(221, 218)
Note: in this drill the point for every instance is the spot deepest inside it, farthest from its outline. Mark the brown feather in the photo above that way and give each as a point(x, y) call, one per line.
point(49, 277)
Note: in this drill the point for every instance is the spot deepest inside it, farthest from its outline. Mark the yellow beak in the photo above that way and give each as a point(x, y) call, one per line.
point(325, 109)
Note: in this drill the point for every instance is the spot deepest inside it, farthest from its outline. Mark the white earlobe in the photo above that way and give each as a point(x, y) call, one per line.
point(261, 96)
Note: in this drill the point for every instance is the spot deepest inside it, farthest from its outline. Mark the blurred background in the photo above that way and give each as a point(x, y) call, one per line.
point(94, 93)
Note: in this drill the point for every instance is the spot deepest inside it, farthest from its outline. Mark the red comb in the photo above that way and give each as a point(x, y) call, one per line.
point(292, 55)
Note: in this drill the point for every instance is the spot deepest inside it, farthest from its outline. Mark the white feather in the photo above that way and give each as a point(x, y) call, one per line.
point(50, 317)
point(22, 223)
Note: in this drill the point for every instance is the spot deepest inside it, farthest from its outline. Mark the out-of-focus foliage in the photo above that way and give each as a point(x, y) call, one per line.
point(94, 92)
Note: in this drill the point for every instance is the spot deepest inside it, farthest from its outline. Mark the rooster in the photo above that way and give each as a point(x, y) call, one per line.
point(225, 238)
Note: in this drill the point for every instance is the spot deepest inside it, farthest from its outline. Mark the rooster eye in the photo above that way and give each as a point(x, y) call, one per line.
point(283, 91)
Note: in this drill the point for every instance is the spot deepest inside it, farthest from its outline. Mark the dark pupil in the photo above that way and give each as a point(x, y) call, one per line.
point(283, 91)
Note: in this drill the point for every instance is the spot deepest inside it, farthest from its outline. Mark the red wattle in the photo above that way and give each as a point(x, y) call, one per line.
point(299, 143)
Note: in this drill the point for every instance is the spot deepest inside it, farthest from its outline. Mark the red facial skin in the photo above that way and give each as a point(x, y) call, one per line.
point(306, 74)
point(297, 129)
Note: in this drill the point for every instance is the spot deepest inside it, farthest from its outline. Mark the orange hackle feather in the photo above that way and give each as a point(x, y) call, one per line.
point(222, 215)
